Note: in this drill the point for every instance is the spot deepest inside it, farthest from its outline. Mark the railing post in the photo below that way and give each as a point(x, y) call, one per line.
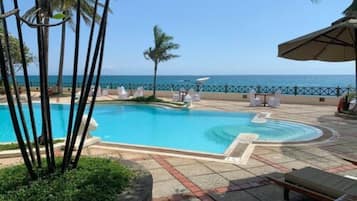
point(348, 91)
point(338, 91)
point(295, 90)
point(226, 88)
point(258, 89)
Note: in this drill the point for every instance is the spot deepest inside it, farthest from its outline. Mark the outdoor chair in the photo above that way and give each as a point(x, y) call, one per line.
point(139, 92)
point(196, 97)
point(188, 100)
point(105, 92)
point(254, 101)
point(317, 184)
point(353, 105)
point(78, 94)
point(122, 93)
point(99, 92)
point(91, 91)
point(175, 96)
point(274, 101)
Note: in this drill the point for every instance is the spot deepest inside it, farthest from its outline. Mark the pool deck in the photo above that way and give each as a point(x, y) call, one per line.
point(193, 180)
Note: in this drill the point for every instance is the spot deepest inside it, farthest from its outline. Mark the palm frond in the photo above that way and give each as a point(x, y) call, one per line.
point(163, 45)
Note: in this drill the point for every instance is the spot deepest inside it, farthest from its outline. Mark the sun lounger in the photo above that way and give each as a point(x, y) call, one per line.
point(317, 184)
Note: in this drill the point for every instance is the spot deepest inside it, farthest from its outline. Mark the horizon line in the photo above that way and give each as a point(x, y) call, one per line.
point(205, 75)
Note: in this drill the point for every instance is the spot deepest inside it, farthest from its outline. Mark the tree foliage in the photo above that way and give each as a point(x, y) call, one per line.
point(161, 51)
point(15, 51)
point(68, 7)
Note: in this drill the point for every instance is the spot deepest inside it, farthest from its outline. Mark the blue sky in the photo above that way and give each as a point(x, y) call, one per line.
point(216, 37)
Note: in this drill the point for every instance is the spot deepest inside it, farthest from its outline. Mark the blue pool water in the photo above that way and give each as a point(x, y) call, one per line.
point(203, 131)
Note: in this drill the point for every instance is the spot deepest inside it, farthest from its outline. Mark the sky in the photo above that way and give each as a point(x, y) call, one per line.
point(227, 37)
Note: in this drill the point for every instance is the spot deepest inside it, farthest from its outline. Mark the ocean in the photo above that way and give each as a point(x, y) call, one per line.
point(237, 80)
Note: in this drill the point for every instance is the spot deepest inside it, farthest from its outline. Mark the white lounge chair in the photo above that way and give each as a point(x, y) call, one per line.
point(91, 91)
point(274, 101)
point(139, 92)
point(195, 95)
point(254, 101)
point(353, 105)
point(188, 100)
point(105, 92)
point(122, 93)
point(99, 92)
point(175, 96)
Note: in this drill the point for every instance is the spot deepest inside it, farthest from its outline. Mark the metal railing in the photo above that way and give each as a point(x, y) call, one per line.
point(286, 90)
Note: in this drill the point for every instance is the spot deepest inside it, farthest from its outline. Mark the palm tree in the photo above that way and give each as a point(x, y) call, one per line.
point(64, 8)
point(160, 53)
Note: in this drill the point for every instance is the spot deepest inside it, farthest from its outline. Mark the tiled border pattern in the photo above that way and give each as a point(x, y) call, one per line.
point(342, 168)
point(196, 190)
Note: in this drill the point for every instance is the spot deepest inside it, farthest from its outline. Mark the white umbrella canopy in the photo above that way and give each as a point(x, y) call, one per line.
point(336, 43)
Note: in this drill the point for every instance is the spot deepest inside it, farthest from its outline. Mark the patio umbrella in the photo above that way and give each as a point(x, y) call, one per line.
point(336, 43)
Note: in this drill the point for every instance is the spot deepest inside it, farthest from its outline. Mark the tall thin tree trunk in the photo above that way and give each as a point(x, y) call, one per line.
point(60, 67)
point(155, 73)
point(46, 36)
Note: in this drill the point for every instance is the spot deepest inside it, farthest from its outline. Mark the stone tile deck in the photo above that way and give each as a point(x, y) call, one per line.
point(194, 180)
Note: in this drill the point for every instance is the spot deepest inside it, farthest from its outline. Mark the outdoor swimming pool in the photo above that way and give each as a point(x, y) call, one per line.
point(191, 130)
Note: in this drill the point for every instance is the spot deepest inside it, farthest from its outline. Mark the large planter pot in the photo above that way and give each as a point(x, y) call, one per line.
point(141, 187)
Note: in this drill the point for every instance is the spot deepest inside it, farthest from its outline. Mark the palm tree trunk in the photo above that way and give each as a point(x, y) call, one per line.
point(154, 86)
point(46, 42)
point(60, 67)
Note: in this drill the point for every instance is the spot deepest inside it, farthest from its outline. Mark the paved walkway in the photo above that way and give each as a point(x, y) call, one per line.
point(194, 180)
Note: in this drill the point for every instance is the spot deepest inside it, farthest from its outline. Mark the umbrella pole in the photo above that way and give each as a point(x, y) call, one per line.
point(355, 46)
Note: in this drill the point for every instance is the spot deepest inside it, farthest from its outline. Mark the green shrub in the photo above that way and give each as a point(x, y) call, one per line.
point(94, 179)
point(152, 99)
point(146, 99)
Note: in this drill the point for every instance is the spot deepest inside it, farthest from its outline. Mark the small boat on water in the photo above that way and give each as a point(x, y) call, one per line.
point(202, 80)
